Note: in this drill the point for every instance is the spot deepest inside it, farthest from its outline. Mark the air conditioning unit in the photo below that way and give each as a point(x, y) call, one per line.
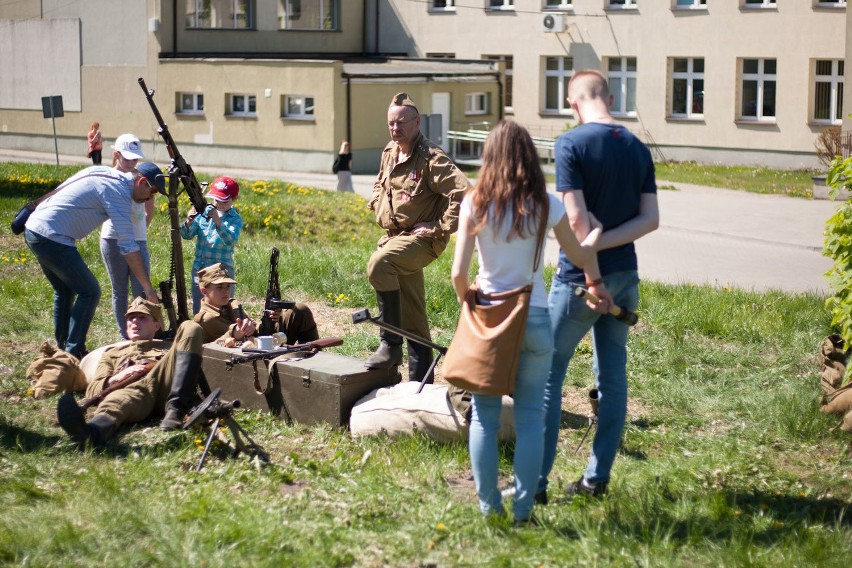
point(553, 23)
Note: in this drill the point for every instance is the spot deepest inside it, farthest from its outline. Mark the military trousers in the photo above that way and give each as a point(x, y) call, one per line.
point(398, 265)
point(147, 396)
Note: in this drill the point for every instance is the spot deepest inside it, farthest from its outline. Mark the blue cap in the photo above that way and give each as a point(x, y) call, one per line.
point(154, 175)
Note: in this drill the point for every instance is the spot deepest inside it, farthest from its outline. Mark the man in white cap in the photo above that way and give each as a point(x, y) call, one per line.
point(75, 209)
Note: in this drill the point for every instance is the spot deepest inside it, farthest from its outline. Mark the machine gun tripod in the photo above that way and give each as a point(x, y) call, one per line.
point(219, 411)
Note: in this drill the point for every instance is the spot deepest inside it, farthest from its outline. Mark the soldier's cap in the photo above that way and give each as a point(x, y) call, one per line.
point(214, 274)
point(402, 99)
point(140, 305)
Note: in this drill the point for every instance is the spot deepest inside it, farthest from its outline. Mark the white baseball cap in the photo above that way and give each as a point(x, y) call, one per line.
point(129, 146)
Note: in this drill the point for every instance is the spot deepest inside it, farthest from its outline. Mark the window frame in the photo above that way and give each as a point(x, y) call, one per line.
point(284, 9)
point(562, 76)
point(560, 5)
point(622, 4)
point(196, 98)
point(247, 113)
point(759, 5)
point(249, 15)
point(836, 89)
point(693, 5)
point(449, 6)
point(761, 77)
point(509, 73)
point(476, 103)
point(690, 76)
point(831, 5)
point(624, 91)
point(504, 6)
point(304, 113)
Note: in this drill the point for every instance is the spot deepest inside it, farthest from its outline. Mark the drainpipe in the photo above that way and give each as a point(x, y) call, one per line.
point(377, 26)
point(349, 110)
point(174, 28)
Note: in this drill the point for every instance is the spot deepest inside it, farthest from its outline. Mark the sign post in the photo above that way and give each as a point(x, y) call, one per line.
point(51, 107)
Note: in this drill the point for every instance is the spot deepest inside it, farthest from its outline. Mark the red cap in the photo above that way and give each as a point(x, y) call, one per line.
point(224, 188)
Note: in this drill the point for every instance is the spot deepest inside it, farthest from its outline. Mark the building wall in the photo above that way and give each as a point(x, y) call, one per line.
point(794, 33)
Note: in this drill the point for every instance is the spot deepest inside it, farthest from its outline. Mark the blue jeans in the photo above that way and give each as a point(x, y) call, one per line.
point(196, 289)
point(76, 291)
point(572, 319)
point(119, 274)
point(536, 355)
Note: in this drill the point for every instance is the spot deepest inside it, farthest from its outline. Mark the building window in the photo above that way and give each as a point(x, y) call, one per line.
point(687, 88)
point(622, 4)
point(309, 15)
point(691, 4)
point(508, 72)
point(476, 103)
point(298, 107)
point(436, 55)
point(442, 6)
point(557, 73)
point(621, 73)
point(759, 4)
point(500, 5)
point(190, 103)
point(219, 14)
point(242, 105)
point(830, 3)
point(828, 91)
point(758, 89)
point(559, 4)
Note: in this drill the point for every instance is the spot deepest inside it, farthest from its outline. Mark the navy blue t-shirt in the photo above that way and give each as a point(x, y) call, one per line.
point(612, 168)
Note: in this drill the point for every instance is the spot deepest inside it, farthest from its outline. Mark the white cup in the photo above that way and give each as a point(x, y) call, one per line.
point(265, 342)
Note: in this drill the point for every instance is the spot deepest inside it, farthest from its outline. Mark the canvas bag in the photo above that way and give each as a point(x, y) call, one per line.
point(55, 371)
point(485, 351)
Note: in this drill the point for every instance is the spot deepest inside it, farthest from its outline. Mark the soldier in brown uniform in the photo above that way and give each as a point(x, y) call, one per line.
point(416, 198)
point(168, 387)
point(221, 316)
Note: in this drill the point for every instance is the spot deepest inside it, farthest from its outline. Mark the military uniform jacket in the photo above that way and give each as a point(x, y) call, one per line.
point(425, 188)
point(218, 323)
point(116, 359)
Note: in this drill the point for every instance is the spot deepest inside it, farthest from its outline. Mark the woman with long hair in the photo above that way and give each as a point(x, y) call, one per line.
point(502, 216)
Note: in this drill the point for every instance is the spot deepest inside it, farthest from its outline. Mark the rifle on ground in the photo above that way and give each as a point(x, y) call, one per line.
point(130, 379)
point(259, 354)
point(273, 300)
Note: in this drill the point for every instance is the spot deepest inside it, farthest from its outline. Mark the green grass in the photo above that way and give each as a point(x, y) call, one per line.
point(726, 459)
point(793, 183)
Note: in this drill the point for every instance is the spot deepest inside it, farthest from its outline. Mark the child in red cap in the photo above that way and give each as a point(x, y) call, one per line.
point(218, 230)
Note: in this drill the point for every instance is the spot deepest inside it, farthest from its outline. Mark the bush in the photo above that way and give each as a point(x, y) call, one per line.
point(829, 145)
point(838, 246)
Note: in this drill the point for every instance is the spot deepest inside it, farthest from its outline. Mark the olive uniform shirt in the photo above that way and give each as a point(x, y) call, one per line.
point(426, 188)
point(218, 323)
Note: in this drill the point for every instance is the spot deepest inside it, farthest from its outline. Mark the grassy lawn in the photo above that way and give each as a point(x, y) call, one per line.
point(726, 459)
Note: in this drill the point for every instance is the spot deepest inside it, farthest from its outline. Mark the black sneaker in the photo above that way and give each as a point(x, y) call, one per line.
point(526, 523)
point(579, 488)
point(541, 498)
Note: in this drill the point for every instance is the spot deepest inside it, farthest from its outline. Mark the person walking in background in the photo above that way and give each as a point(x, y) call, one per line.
point(502, 216)
point(343, 168)
point(217, 231)
point(416, 198)
point(602, 170)
point(96, 143)
point(78, 206)
point(127, 151)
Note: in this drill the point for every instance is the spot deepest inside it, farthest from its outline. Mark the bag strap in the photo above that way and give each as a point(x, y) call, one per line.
point(34, 203)
point(542, 230)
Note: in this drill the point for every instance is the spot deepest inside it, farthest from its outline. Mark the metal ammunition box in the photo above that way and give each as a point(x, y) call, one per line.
point(320, 388)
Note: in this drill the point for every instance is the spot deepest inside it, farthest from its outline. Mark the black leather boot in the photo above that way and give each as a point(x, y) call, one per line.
point(389, 353)
point(184, 381)
point(72, 419)
point(419, 360)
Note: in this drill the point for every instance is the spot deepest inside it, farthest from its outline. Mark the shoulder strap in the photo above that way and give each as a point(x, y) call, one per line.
point(542, 230)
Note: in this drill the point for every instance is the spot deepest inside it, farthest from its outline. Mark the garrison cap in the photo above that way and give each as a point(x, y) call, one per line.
point(140, 305)
point(402, 99)
point(214, 274)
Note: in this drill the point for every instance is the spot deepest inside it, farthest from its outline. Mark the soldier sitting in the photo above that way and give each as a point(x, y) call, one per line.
point(223, 320)
point(168, 387)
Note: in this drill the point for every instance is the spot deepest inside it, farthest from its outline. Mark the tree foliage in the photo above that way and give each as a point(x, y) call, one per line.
point(838, 246)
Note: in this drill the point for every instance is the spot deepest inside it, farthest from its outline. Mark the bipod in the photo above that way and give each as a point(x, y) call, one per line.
point(218, 411)
point(364, 315)
point(594, 400)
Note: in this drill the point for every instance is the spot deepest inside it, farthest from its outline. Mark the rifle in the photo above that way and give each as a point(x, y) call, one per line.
point(258, 354)
point(130, 379)
point(273, 300)
point(178, 165)
point(169, 306)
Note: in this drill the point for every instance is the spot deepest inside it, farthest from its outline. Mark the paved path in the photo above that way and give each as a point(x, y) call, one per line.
point(706, 235)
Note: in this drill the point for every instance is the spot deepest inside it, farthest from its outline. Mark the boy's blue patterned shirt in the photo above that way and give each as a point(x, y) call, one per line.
point(214, 244)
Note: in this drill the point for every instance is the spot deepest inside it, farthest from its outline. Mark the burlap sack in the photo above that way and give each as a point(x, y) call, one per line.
point(55, 371)
point(834, 355)
point(838, 402)
point(846, 425)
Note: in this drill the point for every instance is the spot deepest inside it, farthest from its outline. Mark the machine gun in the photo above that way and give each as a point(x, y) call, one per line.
point(180, 172)
point(218, 411)
point(273, 300)
point(261, 354)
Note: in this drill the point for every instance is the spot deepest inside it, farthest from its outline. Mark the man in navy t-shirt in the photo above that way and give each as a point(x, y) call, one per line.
point(603, 170)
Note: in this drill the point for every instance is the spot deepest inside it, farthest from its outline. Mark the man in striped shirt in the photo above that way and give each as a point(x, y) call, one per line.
point(76, 208)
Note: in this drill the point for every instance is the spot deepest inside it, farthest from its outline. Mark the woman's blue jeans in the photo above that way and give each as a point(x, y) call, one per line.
point(76, 291)
point(535, 360)
point(119, 275)
point(572, 319)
